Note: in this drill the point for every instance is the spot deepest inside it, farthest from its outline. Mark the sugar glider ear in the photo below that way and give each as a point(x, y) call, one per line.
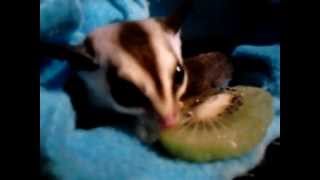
point(174, 21)
point(80, 57)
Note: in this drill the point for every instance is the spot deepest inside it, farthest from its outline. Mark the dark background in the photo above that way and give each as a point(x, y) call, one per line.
point(227, 22)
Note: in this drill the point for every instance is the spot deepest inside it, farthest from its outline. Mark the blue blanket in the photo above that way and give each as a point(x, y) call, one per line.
point(105, 152)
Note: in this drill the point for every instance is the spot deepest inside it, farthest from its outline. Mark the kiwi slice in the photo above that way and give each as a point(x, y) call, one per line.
point(219, 125)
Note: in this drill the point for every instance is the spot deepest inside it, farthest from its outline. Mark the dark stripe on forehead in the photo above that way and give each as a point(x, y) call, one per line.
point(136, 42)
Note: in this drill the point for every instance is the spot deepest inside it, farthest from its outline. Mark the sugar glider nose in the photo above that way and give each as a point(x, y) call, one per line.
point(169, 120)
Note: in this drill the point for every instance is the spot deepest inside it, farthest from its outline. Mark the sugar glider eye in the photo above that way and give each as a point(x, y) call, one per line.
point(179, 75)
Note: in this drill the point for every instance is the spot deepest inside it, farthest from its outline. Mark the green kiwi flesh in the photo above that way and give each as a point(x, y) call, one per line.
point(219, 125)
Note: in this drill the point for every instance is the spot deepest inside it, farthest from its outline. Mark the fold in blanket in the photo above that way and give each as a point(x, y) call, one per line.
point(106, 152)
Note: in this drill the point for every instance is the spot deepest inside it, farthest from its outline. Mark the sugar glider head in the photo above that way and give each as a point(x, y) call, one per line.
point(140, 63)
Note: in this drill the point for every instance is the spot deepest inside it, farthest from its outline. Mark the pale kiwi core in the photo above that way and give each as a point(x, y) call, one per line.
point(212, 107)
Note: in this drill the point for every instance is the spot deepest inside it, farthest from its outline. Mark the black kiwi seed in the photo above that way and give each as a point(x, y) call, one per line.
point(200, 126)
point(192, 125)
point(217, 125)
point(189, 114)
point(208, 127)
point(186, 123)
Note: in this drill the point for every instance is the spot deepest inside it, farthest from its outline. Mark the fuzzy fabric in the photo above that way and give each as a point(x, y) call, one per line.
point(105, 152)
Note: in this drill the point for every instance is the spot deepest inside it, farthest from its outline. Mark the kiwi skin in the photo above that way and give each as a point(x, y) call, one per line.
point(200, 70)
point(241, 131)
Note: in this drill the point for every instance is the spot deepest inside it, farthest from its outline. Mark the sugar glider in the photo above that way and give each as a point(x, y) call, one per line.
point(134, 67)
